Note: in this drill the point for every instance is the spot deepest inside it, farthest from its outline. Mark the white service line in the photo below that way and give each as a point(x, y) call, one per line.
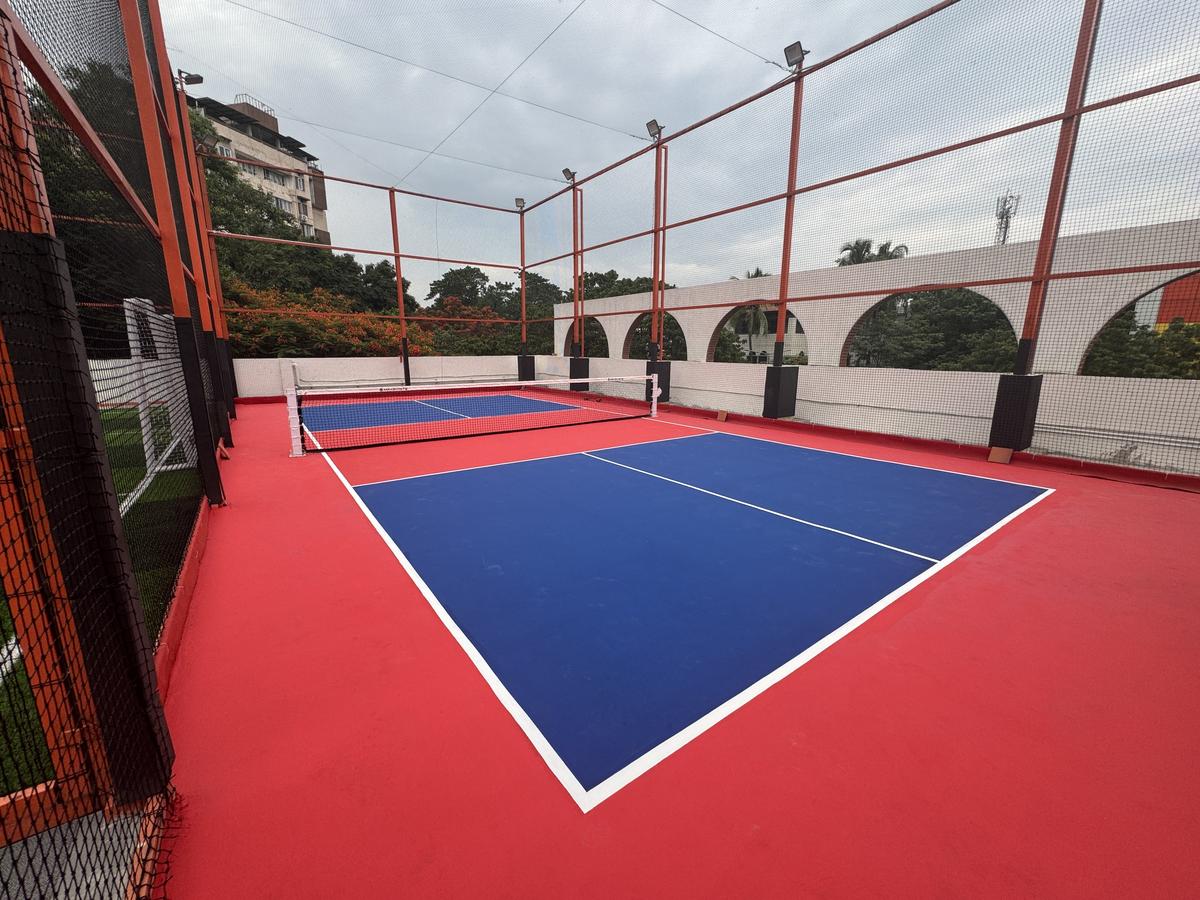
point(773, 512)
point(587, 800)
point(440, 409)
point(553, 761)
point(751, 437)
point(514, 462)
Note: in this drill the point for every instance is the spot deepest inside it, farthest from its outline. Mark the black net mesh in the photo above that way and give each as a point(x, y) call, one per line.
point(102, 478)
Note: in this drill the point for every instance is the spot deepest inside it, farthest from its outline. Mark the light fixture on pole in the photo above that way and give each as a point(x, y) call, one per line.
point(654, 129)
point(569, 175)
point(189, 77)
point(520, 202)
point(794, 55)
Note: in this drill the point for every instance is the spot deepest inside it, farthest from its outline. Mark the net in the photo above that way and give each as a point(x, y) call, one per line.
point(369, 414)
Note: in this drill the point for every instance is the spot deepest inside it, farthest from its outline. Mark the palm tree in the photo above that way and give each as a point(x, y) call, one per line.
point(753, 318)
point(863, 250)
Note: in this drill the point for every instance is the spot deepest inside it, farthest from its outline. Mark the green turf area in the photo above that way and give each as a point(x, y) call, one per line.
point(157, 526)
point(24, 757)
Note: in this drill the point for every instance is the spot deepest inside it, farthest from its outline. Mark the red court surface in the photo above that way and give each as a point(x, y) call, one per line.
point(1024, 723)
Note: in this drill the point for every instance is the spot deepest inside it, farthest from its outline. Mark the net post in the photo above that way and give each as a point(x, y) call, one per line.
point(653, 395)
point(293, 415)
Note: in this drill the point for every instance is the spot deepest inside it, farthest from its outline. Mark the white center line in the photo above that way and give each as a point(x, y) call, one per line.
point(857, 537)
point(441, 409)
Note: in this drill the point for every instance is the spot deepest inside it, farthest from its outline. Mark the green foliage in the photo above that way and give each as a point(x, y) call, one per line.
point(953, 330)
point(1125, 349)
point(674, 346)
point(595, 341)
point(728, 348)
point(863, 250)
point(610, 284)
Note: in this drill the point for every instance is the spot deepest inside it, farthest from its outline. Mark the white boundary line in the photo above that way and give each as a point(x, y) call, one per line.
point(515, 462)
point(773, 512)
point(752, 437)
point(587, 800)
point(439, 409)
point(547, 752)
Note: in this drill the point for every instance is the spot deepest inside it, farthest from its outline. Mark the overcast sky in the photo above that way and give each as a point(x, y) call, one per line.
point(976, 67)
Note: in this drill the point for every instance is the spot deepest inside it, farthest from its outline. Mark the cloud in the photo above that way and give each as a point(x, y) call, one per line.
point(970, 69)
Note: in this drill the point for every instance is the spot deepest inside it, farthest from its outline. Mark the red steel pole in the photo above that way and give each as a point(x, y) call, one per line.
point(524, 322)
point(1068, 133)
point(662, 258)
point(789, 214)
point(653, 349)
point(582, 295)
point(577, 327)
point(399, 285)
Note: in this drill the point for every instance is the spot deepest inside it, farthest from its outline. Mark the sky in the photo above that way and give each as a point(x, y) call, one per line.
point(544, 84)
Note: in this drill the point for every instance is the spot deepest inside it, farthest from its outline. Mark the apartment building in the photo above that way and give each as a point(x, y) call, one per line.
point(248, 135)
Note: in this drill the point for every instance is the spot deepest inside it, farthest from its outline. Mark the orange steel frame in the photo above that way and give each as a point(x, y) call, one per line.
point(29, 563)
point(1039, 279)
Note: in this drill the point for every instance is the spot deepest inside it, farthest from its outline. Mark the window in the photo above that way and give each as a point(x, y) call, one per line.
point(225, 150)
point(299, 182)
point(276, 177)
point(248, 169)
point(308, 230)
point(303, 204)
point(285, 205)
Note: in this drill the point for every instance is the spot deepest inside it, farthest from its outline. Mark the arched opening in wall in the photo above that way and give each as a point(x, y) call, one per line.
point(1155, 336)
point(595, 340)
point(747, 335)
point(637, 341)
point(950, 330)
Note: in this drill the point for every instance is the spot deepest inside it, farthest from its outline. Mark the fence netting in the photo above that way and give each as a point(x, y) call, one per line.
point(113, 394)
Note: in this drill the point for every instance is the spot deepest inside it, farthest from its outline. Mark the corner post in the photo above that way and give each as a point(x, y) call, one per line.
point(400, 286)
point(779, 392)
point(1015, 412)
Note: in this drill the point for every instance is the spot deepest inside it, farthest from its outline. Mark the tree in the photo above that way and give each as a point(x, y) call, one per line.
point(467, 284)
point(1125, 349)
point(728, 348)
point(272, 323)
point(863, 250)
point(674, 346)
point(948, 330)
point(751, 319)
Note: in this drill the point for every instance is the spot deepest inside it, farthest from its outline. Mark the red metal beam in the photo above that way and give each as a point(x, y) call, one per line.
point(575, 305)
point(1064, 155)
point(524, 323)
point(49, 81)
point(335, 314)
point(331, 247)
point(785, 267)
point(318, 173)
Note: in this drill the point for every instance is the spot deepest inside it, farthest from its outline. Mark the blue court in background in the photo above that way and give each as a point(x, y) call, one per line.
point(376, 413)
point(619, 600)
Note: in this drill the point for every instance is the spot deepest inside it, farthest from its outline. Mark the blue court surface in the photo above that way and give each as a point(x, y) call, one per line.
point(376, 413)
point(621, 595)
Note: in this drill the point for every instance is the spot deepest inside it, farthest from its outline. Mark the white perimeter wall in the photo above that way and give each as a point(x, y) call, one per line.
point(1125, 421)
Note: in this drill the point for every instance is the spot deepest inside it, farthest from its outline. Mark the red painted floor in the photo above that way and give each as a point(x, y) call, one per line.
point(1025, 723)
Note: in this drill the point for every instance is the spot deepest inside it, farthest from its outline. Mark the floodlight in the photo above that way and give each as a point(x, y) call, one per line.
point(794, 55)
point(568, 174)
point(520, 202)
point(655, 129)
point(190, 77)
